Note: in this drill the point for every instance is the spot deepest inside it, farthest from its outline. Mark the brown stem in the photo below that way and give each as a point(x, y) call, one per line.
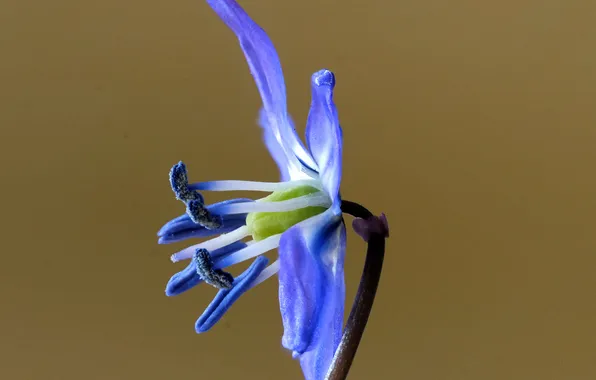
point(344, 355)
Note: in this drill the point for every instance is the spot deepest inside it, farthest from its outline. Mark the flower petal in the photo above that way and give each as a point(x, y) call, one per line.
point(193, 230)
point(265, 68)
point(312, 291)
point(188, 277)
point(275, 149)
point(225, 298)
point(324, 134)
point(182, 227)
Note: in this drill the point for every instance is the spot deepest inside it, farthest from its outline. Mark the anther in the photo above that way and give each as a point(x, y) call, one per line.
point(213, 277)
point(179, 183)
point(199, 214)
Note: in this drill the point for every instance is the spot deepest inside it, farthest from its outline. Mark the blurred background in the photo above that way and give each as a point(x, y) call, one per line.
point(470, 124)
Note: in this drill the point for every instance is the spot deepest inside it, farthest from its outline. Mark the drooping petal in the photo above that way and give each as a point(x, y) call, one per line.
point(312, 290)
point(265, 67)
point(188, 277)
point(324, 134)
point(225, 298)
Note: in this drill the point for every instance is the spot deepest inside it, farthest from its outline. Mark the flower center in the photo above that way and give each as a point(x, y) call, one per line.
point(265, 224)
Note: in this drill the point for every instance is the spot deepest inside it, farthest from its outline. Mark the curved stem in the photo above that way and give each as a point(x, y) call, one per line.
point(346, 351)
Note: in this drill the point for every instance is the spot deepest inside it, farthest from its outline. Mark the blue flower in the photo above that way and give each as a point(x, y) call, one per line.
point(301, 217)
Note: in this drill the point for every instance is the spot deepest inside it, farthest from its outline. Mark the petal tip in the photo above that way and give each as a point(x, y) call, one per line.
point(323, 78)
point(200, 328)
point(173, 286)
point(182, 281)
point(169, 292)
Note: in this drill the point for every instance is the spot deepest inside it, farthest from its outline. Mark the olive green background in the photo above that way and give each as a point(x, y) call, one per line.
point(471, 124)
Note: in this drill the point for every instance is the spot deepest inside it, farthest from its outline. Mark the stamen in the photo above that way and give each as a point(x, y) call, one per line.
point(252, 250)
point(199, 214)
point(213, 244)
point(233, 185)
point(179, 183)
point(213, 277)
point(310, 200)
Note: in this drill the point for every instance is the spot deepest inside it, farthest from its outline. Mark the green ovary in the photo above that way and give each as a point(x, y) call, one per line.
point(265, 224)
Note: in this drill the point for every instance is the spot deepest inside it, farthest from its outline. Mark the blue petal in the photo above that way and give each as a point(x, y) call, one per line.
point(265, 68)
point(312, 291)
point(188, 229)
point(225, 298)
point(275, 149)
point(323, 133)
point(182, 227)
point(188, 277)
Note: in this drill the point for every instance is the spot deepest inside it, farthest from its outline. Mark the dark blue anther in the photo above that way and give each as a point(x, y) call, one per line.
point(195, 207)
point(179, 183)
point(199, 214)
point(213, 277)
point(189, 277)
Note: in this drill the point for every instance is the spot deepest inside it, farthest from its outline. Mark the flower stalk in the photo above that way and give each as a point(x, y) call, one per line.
point(363, 302)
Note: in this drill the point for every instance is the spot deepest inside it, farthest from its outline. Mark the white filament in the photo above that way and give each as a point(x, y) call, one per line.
point(261, 205)
point(213, 244)
point(253, 250)
point(266, 273)
point(233, 185)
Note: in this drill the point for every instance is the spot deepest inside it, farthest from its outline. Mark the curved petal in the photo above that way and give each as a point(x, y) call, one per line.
point(265, 67)
point(312, 291)
point(189, 278)
point(225, 298)
point(324, 134)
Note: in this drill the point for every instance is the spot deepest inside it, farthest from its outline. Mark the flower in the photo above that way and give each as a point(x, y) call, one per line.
point(301, 217)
